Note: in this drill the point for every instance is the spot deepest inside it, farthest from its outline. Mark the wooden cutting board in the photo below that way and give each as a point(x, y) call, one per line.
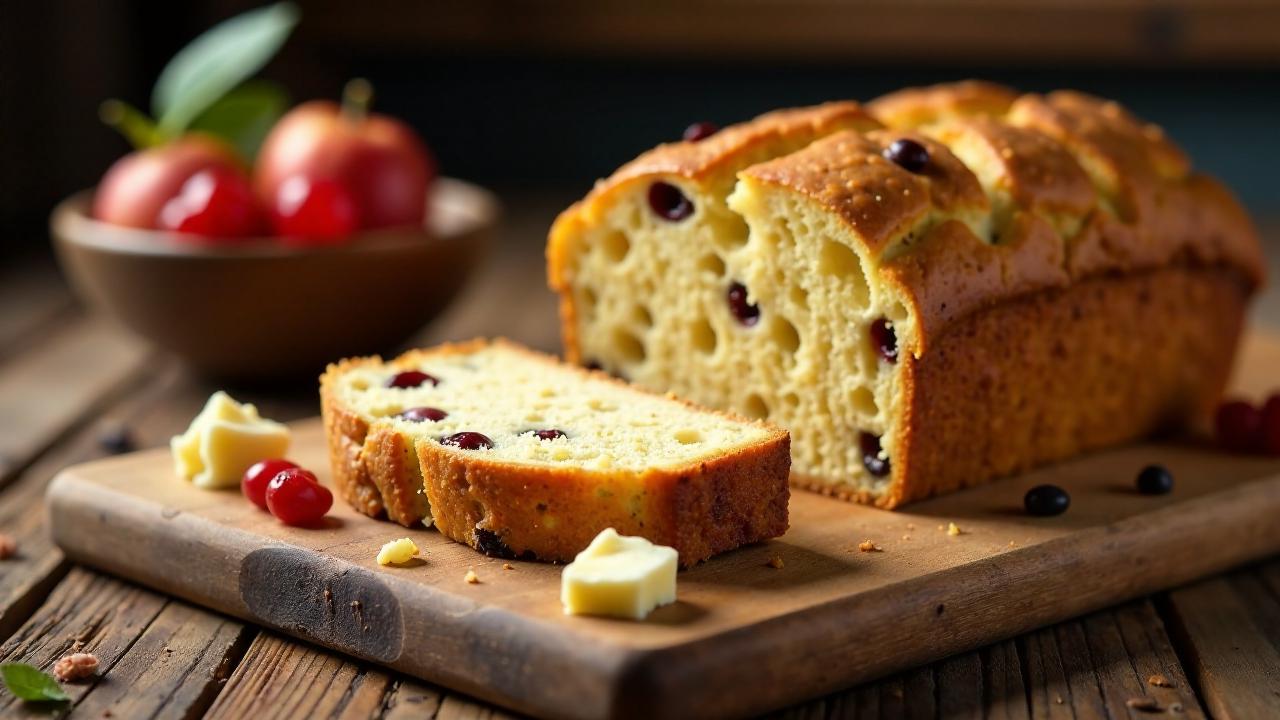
point(744, 636)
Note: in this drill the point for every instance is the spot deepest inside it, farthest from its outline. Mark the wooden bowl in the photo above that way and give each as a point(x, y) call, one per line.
point(259, 309)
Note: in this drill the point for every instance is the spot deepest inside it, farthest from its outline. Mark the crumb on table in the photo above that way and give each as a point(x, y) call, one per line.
point(1143, 704)
point(76, 666)
point(775, 562)
point(471, 577)
point(8, 546)
point(507, 566)
point(1159, 680)
point(868, 546)
point(954, 530)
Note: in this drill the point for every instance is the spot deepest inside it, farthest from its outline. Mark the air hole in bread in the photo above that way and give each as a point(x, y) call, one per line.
point(616, 246)
point(839, 260)
point(688, 436)
point(863, 401)
point(756, 407)
point(629, 346)
point(704, 336)
point(799, 296)
point(791, 399)
point(897, 312)
point(712, 263)
point(785, 334)
point(642, 316)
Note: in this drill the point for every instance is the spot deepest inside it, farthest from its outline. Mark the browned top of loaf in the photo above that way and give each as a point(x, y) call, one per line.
point(1086, 189)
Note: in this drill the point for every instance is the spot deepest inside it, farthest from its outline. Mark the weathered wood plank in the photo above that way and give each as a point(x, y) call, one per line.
point(32, 296)
point(104, 615)
point(174, 669)
point(410, 699)
point(64, 379)
point(1225, 628)
point(1100, 665)
point(280, 678)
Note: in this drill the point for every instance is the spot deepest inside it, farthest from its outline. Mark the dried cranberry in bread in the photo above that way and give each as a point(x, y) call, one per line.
point(976, 283)
point(519, 455)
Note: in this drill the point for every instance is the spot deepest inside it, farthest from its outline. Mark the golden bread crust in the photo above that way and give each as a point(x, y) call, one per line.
point(1058, 227)
point(1060, 372)
point(551, 513)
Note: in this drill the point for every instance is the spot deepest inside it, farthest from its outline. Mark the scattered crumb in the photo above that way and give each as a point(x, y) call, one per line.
point(8, 546)
point(397, 552)
point(868, 546)
point(76, 666)
point(942, 527)
point(1013, 543)
point(1175, 707)
point(911, 526)
point(954, 530)
point(775, 562)
point(1144, 704)
point(906, 537)
point(471, 577)
point(77, 646)
point(507, 566)
point(1058, 699)
point(1159, 681)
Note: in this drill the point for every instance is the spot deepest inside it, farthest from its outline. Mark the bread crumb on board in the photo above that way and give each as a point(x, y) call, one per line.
point(775, 562)
point(471, 577)
point(76, 666)
point(954, 530)
point(868, 546)
point(507, 566)
point(397, 552)
point(1158, 680)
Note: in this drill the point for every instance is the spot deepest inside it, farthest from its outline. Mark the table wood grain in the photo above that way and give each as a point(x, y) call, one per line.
point(1211, 649)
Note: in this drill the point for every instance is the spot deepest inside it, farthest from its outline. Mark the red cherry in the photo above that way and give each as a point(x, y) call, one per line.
point(255, 480)
point(1270, 434)
point(214, 202)
point(295, 497)
point(314, 211)
point(1238, 426)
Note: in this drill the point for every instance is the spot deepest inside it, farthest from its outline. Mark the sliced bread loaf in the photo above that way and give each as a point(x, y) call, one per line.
point(519, 455)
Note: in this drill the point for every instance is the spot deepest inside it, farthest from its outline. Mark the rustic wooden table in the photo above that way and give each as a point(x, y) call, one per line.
point(71, 385)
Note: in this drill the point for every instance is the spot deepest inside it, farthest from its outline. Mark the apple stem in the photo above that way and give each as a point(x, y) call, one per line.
point(357, 95)
point(132, 123)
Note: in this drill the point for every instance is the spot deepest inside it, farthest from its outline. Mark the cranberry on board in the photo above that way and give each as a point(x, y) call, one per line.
point(215, 202)
point(295, 497)
point(1238, 426)
point(255, 480)
point(313, 211)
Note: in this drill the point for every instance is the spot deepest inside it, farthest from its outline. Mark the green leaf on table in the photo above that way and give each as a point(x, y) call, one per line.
point(244, 116)
point(216, 62)
point(27, 682)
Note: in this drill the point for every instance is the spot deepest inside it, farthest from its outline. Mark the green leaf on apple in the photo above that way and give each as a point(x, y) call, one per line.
point(27, 682)
point(218, 61)
point(244, 116)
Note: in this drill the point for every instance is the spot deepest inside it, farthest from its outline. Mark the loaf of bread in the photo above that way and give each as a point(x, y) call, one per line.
point(954, 284)
point(521, 456)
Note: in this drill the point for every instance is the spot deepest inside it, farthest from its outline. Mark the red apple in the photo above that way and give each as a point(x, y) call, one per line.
point(378, 160)
point(138, 185)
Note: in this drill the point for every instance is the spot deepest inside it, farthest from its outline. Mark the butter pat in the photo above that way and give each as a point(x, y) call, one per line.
point(224, 440)
point(619, 576)
point(397, 552)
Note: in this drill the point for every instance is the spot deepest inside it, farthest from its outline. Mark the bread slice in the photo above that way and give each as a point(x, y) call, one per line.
point(1051, 279)
point(608, 455)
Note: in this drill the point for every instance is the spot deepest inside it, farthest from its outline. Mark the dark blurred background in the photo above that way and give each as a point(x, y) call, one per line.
point(537, 99)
